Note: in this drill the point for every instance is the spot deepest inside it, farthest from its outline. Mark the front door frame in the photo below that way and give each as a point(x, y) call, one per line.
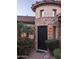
point(37, 39)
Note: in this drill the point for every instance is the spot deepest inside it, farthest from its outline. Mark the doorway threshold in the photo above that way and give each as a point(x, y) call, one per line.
point(41, 51)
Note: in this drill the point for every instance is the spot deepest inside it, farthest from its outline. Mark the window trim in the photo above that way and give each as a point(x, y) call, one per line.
point(54, 12)
point(41, 13)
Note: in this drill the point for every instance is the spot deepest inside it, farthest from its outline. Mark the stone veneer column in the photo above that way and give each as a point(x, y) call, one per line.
point(50, 32)
point(46, 21)
point(58, 30)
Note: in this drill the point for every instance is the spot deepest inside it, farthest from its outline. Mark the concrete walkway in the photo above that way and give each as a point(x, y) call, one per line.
point(40, 55)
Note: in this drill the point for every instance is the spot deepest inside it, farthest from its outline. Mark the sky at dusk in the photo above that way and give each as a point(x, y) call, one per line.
point(24, 7)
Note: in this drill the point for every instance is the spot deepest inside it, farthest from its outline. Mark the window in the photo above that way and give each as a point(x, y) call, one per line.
point(54, 12)
point(42, 13)
point(54, 31)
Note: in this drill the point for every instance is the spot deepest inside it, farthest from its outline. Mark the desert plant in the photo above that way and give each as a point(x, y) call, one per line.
point(57, 53)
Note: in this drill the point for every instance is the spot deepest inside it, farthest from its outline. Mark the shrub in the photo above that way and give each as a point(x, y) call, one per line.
point(18, 50)
point(52, 44)
point(24, 47)
point(57, 53)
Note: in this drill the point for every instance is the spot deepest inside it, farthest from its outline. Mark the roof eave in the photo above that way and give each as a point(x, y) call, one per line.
point(34, 6)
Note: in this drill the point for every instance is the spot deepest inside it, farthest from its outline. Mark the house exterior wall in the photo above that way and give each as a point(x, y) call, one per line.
point(48, 20)
point(48, 9)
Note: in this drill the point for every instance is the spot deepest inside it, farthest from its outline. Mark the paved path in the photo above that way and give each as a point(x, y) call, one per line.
point(40, 55)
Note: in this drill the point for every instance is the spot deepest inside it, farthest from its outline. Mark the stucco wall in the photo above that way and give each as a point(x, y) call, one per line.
point(48, 9)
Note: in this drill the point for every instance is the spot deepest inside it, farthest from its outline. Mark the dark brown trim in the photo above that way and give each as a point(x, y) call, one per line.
point(26, 22)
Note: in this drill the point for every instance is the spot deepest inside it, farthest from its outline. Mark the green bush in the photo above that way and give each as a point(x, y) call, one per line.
point(19, 50)
point(24, 47)
point(52, 44)
point(57, 53)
